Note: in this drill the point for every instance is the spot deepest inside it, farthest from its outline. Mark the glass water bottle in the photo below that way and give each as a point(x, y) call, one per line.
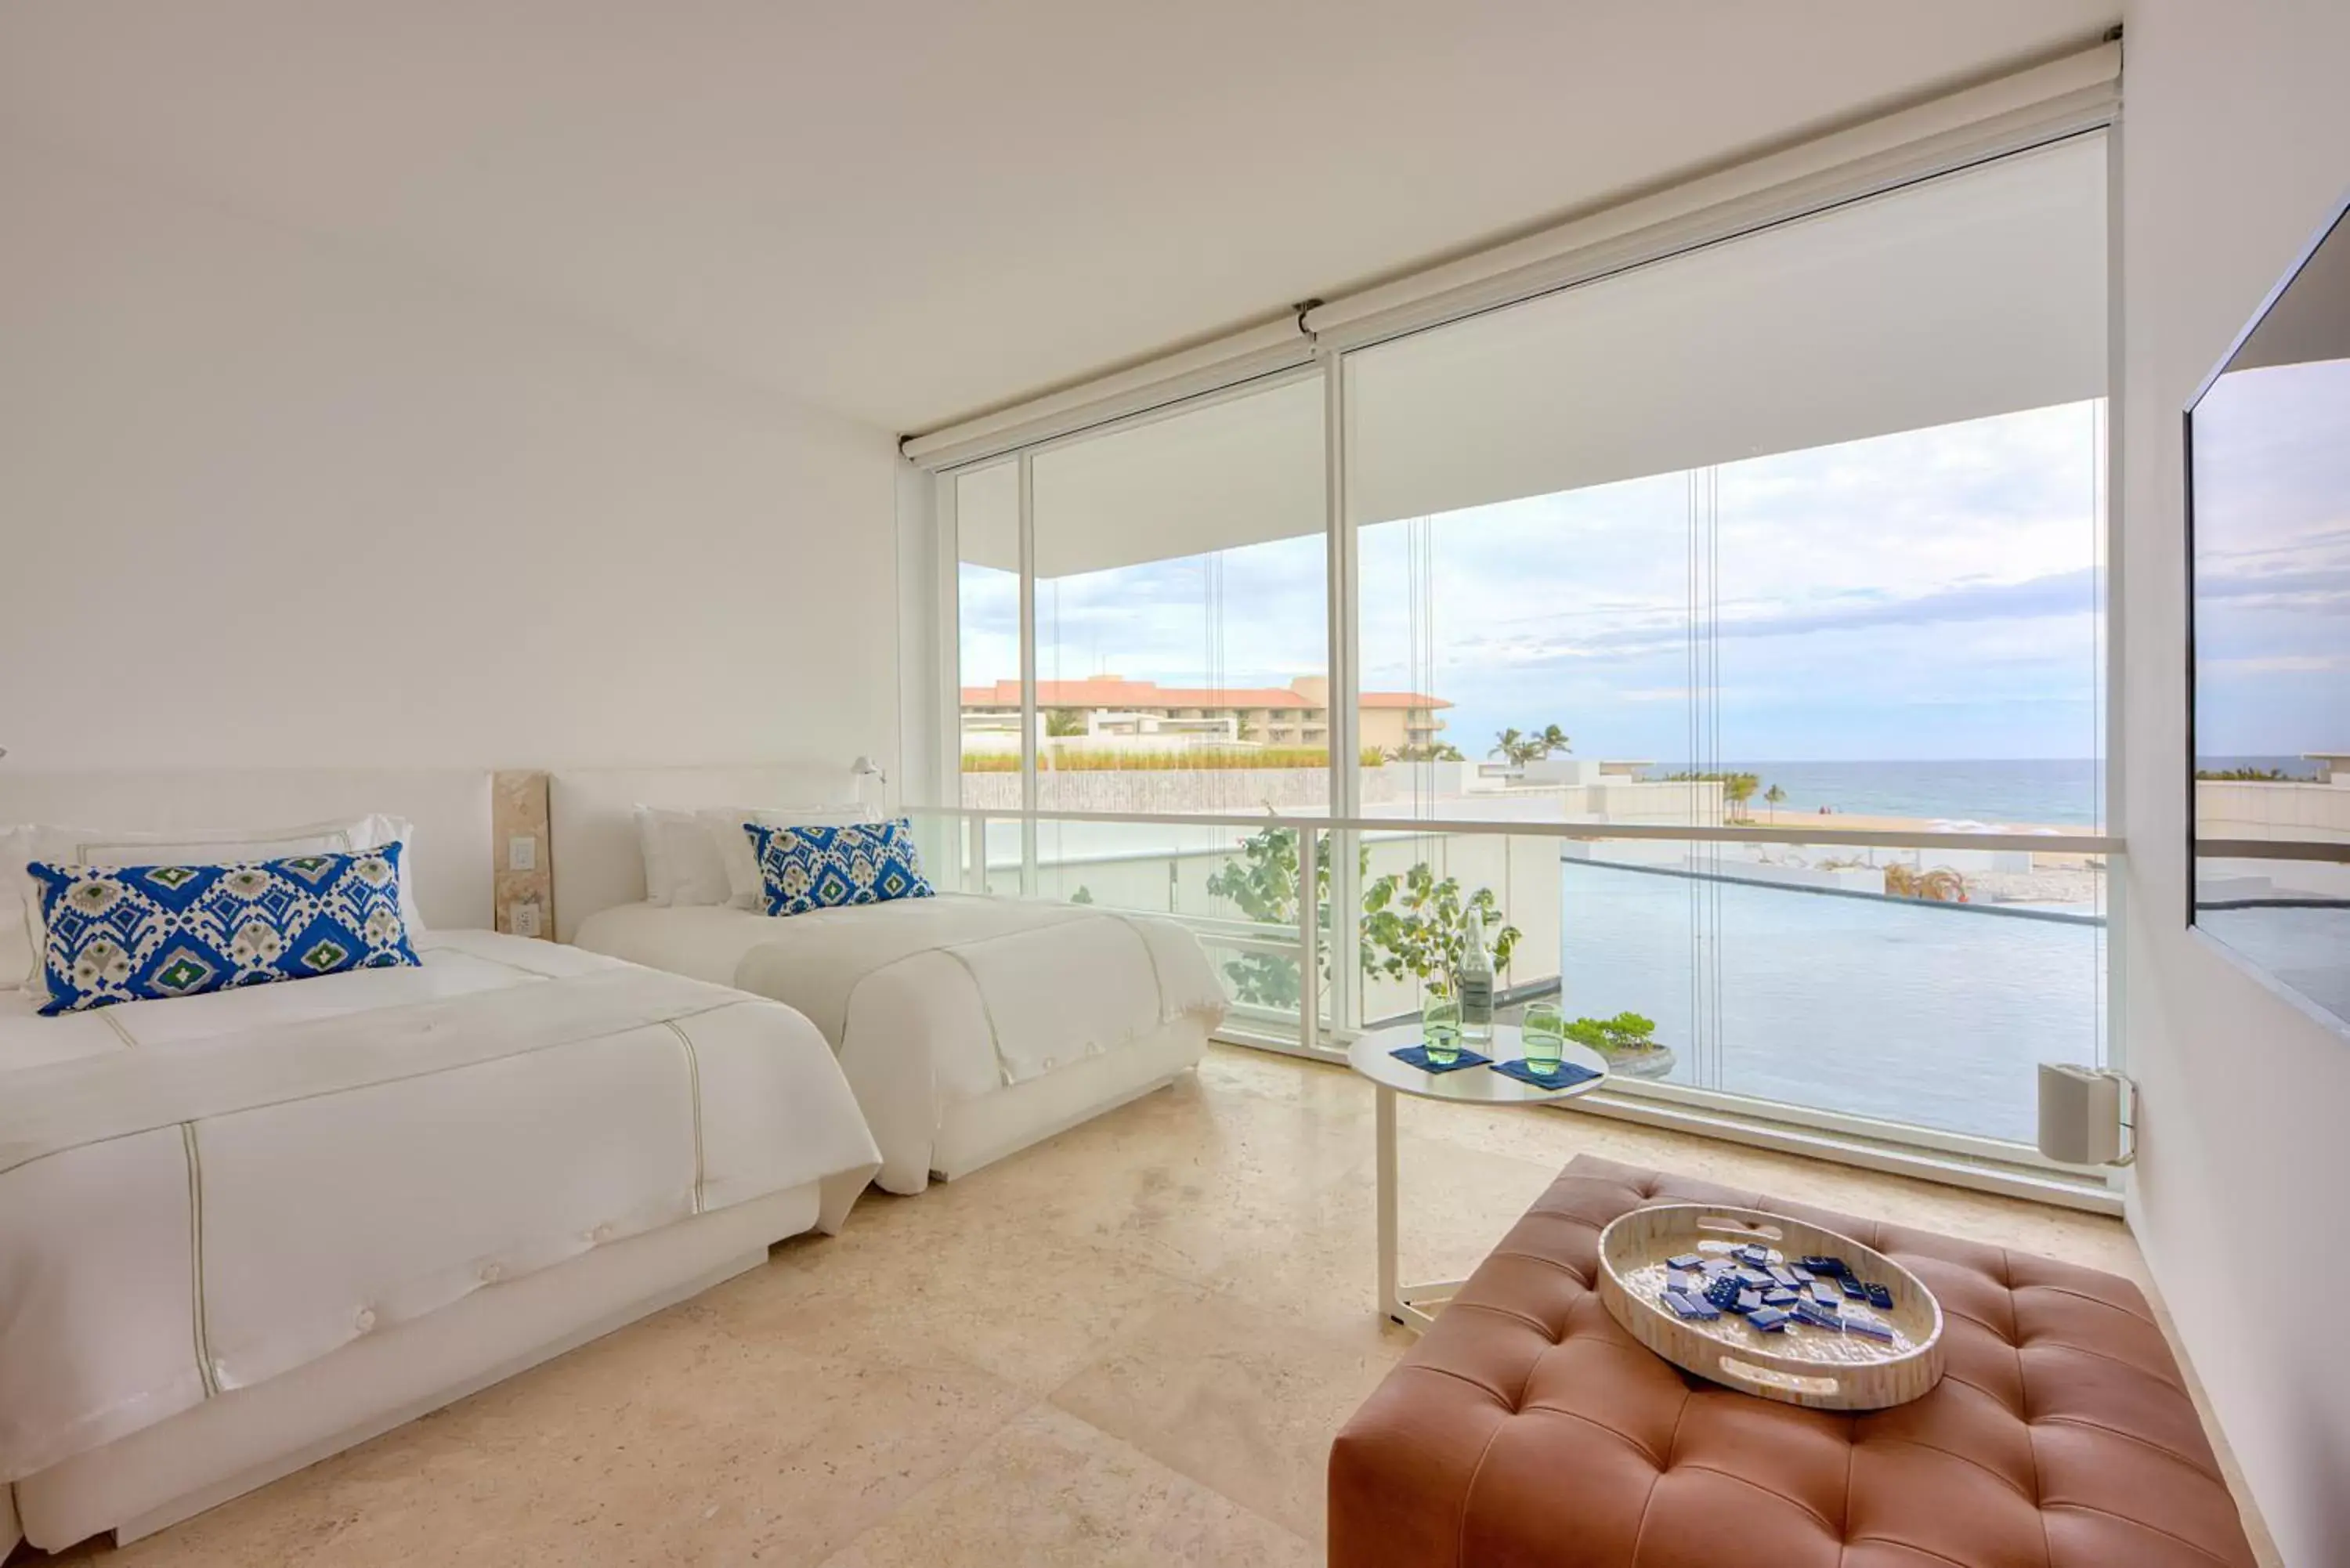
point(1475, 985)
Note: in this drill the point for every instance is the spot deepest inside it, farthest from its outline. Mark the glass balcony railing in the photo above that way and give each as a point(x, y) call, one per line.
point(1909, 984)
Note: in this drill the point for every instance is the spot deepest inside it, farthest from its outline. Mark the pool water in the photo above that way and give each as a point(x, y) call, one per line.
point(1892, 1008)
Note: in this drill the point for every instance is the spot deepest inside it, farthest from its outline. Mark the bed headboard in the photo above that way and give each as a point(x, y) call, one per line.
point(592, 823)
point(450, 806)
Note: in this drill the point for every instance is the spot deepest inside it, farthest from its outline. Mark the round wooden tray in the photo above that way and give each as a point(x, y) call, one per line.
point(1822, 1368)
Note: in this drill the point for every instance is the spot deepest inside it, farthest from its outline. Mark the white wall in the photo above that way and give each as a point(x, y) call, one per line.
point(267, 498)
point(2237, 144)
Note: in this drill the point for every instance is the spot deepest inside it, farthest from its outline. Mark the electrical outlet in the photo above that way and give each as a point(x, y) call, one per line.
point(522, 916)
point(521, 852)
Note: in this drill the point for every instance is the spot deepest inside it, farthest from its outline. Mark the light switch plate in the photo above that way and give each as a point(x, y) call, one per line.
point(522, 853)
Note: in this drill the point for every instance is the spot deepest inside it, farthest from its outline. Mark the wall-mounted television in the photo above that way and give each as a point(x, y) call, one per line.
point(2268, 488)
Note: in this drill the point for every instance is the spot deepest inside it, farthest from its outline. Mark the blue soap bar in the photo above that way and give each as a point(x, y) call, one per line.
point(1827, 1294)
point(1686, 1260)
point(1879, 1297)
point(1869, 1326)
point(1785, 1279)
point(1688, 1305)
point(1722, 1293)
point(1747, 1304)
point(1817, 1315)
point(1780, 1298)
point(1753, 1257)
point(1803, 1276)
point(1770, 1319)
point(1754, 1279)
point(1852, 1288)
point(1832, 1267)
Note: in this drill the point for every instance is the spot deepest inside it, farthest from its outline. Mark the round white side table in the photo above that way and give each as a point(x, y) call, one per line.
point(1414, 1306)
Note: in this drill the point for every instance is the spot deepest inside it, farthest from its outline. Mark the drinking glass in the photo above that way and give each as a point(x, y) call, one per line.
point(1440, 1029)
point(1544, 1036)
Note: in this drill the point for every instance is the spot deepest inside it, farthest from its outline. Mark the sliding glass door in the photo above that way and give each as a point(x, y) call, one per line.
point(1730, 628)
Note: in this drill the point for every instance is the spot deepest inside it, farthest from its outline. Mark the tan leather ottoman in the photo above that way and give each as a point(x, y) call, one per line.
point(1526, 1428)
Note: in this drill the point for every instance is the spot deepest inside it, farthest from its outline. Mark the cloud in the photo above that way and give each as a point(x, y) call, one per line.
point(2277, 664)
point(1874, 598)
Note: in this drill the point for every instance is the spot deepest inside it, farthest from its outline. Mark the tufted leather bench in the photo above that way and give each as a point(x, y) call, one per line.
point(1527, 1428)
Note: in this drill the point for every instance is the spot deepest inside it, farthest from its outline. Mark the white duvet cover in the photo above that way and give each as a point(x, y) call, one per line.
point(200, 1194)
point(932, 1002)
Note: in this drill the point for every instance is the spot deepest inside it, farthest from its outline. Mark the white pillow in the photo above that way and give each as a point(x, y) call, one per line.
point(23, 931)
point(745, 888)
point(682, 865)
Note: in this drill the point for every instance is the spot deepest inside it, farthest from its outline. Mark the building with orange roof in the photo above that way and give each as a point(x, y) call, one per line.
point(1298, 714)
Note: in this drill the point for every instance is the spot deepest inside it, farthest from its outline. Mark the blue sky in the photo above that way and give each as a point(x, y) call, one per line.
point(1931, 594)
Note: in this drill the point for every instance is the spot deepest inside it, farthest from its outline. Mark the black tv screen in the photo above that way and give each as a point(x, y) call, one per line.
point(2268, 448)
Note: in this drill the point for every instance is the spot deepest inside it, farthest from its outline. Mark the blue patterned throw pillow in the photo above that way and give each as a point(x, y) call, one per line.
point(139, 933)
point(812, 867)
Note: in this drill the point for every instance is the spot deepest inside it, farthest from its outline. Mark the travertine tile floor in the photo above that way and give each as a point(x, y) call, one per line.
point(1128, 1345)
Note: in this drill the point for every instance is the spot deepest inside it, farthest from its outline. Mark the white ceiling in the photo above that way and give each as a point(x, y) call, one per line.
point(909, 211)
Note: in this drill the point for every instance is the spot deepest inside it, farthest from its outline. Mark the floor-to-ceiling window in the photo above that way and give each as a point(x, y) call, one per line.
point(1728, 629)
point(1804, 527)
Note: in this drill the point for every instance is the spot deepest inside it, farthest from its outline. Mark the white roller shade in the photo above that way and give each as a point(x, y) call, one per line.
point(1977, 293)
point(1234, 471)
point(987, 515)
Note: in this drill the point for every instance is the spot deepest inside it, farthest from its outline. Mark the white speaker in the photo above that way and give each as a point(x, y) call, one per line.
point(2080, 1113)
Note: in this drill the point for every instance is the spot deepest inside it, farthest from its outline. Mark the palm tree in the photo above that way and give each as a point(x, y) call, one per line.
point(1774, 794)
point(1553, 739)
point(1738, 789)
point(1064, 721)
point(1509, 746)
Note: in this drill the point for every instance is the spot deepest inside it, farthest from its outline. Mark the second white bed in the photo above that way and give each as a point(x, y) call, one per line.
point(969, 1027)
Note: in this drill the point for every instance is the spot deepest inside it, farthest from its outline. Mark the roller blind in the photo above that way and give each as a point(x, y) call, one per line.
point(1973, 294)
point(1240, 470)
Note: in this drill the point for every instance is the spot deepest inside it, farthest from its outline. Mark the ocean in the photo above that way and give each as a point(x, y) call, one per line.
point(2041, 792)
point(2059, 792)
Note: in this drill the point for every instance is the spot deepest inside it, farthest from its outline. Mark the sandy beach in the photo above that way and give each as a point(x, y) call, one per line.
point(2056, 878)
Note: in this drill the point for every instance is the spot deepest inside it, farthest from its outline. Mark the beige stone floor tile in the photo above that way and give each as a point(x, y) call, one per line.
point(1180, 1186)
point(669, 1442)
point(1031, 1306)
point(1131, 1344)
point(1053, 1492)
point(1240, 1398)
point(1556, 1136)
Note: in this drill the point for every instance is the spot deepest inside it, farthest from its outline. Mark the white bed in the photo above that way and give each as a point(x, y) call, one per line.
point(240, 1232)
point(969, 1027)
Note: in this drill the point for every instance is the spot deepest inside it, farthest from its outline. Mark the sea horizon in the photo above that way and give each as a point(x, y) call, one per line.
point(2052, 792)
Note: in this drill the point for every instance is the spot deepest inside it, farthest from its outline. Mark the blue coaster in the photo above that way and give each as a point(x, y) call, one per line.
point(1417, 1057)
point(1567, 1076)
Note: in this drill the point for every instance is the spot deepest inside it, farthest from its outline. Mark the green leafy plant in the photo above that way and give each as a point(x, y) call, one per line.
point(2246, 775)
point(1262, 883)
point(1627, 1033)
point(1773, 795)
point(1517, 748)
point(1063, 722)
point(1413, 924)
point(1737, 789)
point(1111, 759)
